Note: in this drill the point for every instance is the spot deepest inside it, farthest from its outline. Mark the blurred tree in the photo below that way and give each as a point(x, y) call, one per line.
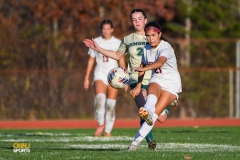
point(213, 20)
point(210, 21)
point(47, 34)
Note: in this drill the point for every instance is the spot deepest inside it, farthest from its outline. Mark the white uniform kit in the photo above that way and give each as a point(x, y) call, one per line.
point(103, 65)
point(167, 76)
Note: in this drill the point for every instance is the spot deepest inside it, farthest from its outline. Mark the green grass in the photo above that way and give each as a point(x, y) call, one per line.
point(203, 143)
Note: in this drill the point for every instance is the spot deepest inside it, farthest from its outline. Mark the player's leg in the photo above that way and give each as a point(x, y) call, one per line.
point(100, 92)
point(140, 100)
point(151, 111)
point(143, 131)
point(149, 137)
point(165, 98)
point(163, 116)
point(145, 128)
point(110, 109)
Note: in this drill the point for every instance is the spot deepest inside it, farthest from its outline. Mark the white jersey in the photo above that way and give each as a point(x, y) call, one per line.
point(167, 76)
point(103, 63)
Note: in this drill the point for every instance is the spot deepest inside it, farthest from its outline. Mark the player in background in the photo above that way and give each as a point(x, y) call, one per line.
point(105, 95)
point(133, 45)
point(165, 83)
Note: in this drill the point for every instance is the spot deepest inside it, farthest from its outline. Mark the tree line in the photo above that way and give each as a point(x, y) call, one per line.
point(46, 36)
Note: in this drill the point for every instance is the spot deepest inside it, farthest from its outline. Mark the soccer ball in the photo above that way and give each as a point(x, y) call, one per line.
point(118, 77)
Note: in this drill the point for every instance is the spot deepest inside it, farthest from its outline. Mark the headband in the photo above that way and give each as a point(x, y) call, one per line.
point(152, 28)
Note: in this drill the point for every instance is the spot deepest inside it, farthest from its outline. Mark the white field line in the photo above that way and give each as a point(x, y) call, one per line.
point(164, 147)
point(74, 138)
point(38, 134)
point(69, 139)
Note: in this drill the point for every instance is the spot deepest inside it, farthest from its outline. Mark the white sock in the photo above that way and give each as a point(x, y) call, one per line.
point(110, 115)
point(144, 130)
point(151, 103)
point(94, 105)
point(138, 139)
point(163, 112)
point(100, 108)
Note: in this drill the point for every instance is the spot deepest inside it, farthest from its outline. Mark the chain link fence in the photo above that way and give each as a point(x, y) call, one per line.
point(207, 69)
point(59, 94)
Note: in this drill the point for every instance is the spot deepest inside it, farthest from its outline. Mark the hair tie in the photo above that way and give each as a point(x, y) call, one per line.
point(152, 28)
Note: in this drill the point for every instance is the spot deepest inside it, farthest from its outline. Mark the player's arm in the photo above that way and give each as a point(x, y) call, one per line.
point(141, 75)
point(122, 62)
point(91, 43)
point(158, 64)
point(90, 64)
point(135, 91)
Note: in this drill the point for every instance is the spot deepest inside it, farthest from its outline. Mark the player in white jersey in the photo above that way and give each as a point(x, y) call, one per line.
point(165, 83)
point(104, 106)
point(133, 45)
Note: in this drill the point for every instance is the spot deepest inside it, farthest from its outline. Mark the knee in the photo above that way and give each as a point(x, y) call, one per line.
point(101, 98)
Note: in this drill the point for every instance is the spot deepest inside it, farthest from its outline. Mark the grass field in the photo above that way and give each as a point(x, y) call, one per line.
point(203, 143)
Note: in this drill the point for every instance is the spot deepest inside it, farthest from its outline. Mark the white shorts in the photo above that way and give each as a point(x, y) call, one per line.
point(101, 75)
point(173, 86)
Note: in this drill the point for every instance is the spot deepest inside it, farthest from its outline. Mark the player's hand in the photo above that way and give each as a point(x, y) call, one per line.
point(86, 84)
point(91, 43)
point(139, 69)
point(135, 91)
point(126, 88)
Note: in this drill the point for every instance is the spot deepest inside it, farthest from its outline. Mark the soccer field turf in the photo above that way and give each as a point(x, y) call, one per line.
point(213, 143)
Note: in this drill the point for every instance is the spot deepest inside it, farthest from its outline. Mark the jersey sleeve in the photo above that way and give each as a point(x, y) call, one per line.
point(123, 47)
point(167, 52)
point(92, 53)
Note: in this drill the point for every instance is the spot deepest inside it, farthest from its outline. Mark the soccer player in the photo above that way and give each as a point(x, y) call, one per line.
point(133, 45)
point(165, 83)
point(104, 105)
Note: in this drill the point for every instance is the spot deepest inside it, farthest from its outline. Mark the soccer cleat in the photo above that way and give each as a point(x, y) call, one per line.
point(99, 131)
point(107, 134)
point(146, 116)
point(174, 103)
point(152, 145)
point(132, 147)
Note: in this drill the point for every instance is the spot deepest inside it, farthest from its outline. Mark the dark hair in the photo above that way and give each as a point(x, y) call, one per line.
point(106, 21)
point(153, 24)
point(158, 26)
point(138, 10)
